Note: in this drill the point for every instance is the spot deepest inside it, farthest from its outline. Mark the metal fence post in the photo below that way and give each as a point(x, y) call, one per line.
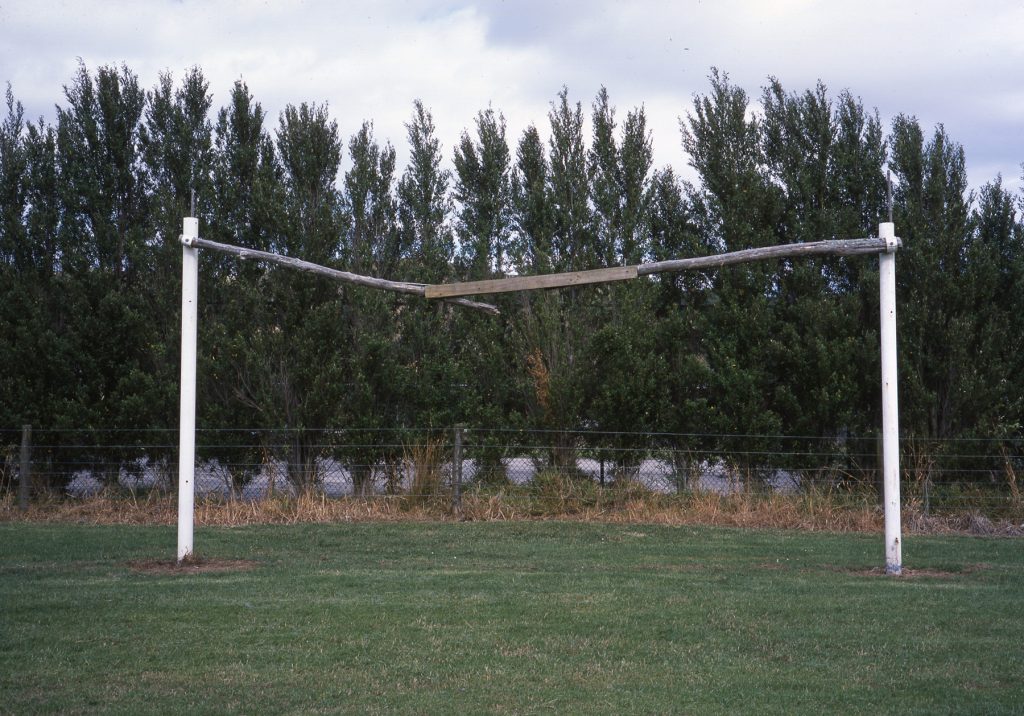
point(457, 470)
point(25, 473)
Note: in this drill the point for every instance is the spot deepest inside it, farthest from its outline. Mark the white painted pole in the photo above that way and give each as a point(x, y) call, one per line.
point(187, 424)
point(890, 401)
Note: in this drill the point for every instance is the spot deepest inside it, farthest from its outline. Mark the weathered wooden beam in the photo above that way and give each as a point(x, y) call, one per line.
point(839, 247)
point(528, 283)
point(414, 289)
point(452, 292)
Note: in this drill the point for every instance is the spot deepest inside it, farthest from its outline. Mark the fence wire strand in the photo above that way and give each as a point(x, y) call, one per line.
point(249, 464)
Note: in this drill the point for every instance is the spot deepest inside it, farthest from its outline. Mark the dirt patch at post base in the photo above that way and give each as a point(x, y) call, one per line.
point(907, 573)
point(194, 565)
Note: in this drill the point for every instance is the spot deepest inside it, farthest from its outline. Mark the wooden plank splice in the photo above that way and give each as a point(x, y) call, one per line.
point(527, 283)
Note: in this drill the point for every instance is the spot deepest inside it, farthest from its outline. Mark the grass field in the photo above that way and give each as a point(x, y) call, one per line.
point(512, 617)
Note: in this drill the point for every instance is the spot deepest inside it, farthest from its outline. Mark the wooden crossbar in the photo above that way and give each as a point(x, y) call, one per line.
point(832, 247)
point(454, 291)
point(415, 289)
point(528, 283)
point(835, 247)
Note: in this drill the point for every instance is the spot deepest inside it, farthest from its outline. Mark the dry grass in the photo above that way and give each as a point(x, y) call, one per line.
point(809, 511)
point(1011, 480)
point(424, 459)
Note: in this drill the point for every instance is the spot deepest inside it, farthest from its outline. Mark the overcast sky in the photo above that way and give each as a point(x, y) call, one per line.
point(959, 63)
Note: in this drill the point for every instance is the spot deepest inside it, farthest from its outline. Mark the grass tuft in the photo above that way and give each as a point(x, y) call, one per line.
point(425, 461)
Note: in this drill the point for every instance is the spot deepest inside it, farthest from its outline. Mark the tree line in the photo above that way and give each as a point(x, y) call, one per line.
point(90, 269)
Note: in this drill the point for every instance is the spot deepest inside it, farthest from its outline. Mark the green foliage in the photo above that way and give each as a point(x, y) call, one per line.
point(736, 207)
point(483, 193)
point(937, 287)
point(13, 180)
point(373, 243)
point(424, 204)
point(91, 208)
point(245, 210)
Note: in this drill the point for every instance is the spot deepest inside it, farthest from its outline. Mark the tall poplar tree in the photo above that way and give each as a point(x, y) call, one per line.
point(374, 397)
point(681, 322)
point(935, 282)
point(294, 372)
point(532, 219)
point(992, 381)
point(483, 194)
point(13, 170)
point(105, 252)
point(734, 207)
point(555, 210)
point(35, 359)
point(424, 204)
point(17, 310)
point(175, 142)
point(424, 208)
point(624, 379)
point(241, 206)
point(814, 153)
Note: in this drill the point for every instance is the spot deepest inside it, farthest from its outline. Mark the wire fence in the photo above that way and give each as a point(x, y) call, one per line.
point(939, 476)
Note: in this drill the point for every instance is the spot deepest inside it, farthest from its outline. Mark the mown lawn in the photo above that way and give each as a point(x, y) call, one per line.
point(529, 617)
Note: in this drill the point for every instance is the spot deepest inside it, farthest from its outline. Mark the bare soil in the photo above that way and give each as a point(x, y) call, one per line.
point(194, 565)
point(907, 573)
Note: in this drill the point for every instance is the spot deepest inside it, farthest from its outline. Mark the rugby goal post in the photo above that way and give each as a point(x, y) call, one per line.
point(885, 245)
point(187, 419)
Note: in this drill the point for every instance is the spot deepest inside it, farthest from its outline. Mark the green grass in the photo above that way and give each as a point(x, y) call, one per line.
point(507, 618)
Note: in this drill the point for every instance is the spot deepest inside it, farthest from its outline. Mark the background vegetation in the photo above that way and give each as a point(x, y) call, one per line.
point(91, 207)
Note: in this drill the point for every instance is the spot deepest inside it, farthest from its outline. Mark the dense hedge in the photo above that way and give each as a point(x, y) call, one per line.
point(89, 293)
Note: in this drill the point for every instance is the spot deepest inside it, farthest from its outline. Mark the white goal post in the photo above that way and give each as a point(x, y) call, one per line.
point(890, 399)
point(885, 245)
point(187, 423)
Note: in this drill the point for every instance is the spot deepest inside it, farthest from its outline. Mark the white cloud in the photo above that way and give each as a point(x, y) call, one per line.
point(952, 61)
